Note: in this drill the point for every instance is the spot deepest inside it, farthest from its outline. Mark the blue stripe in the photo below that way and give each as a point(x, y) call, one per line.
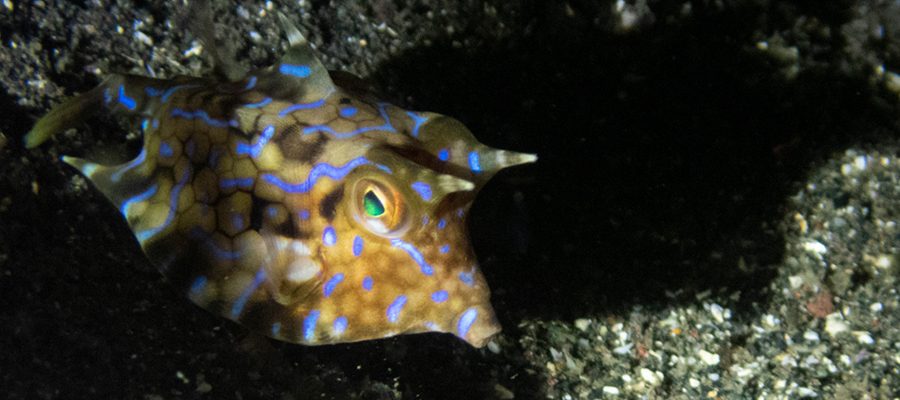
point(248, 291)
point(309, 324)
point(253, 151)
point(332, 283)
point(125, 100)
point(177, 112)
point(335, 173)
point(264, 101)
point(466, 321)
point(300, 71)
point(419, 121)
point(357, 246)
point(423, 189)
point(173, 204)
point(136, 199)
point(393, 310)
point(415, 254)
point(171, 90)
point(325, 128)
point(243, 182)
point(340, 325)
point(295, 107)
point(473, 161)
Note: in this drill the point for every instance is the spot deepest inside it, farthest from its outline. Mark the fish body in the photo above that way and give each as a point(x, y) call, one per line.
point(297, 206)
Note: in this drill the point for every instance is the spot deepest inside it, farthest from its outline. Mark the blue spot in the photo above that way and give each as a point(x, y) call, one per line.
point(445, 248)
point(251, 84)
point(242, 182)
point(144, 124)
point(177, 112)
point(393, 310)
point(384, 168)
point(198, 285)
point(140, 159)
point(264, 136)
point(294, 107)
point(237, 220)
point(459, 213)
point(106, 97)
point(348, 111)
point(171, 90)
point(439, 296)
point(340, 325)
point(466, 321)
point(153, 92)
point(165, 150)
point(468, 277)
point(357, 246)
point(309, 324)
point(367, 283)
point(136, 199)
point(444, 155)
point(432, 326)
point(329, 237)
point(318, 171)
point(325, 128)
point(304, 214)
point(264, 101)
point(473, 161)
point(425, 221)
point(332, 283)
point(245, 295)
point(442, 223)
point(419, 121)
point(125, 100)
point(275, 327)
point(423, 189)
point(272, 211)
point(213, 157)
point(155, 123)
point(173, 203)
point(300, 71)
point(415, 254)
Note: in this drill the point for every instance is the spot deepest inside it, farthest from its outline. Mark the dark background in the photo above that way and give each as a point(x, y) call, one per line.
point(666, 154)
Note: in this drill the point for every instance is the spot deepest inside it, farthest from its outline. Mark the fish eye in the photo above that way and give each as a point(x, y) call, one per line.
point(373, 205)
point(380, 207)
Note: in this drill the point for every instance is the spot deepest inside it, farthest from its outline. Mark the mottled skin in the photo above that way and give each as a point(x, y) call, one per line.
point(303, 210)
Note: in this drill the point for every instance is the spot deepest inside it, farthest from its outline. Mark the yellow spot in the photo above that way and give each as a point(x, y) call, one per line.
point(270, 158)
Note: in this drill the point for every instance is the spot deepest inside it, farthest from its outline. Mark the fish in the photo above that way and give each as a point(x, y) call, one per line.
point(296, 204)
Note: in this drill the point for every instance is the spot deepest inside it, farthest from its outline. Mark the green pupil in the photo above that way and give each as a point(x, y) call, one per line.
point(373, 205)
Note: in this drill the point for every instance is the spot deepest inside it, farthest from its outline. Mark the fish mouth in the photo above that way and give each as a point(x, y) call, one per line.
point(478, 325)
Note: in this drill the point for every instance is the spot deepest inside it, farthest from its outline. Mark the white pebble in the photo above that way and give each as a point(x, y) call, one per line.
point(709, 358)
point(834, 324)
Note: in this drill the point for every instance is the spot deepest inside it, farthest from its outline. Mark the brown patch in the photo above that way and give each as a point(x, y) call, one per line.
point(328, 205)
point(820, 305)
point(294, 146)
